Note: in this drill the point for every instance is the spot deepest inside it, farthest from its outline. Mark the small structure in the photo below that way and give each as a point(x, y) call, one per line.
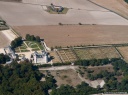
point(57, 8)
point(40, 58)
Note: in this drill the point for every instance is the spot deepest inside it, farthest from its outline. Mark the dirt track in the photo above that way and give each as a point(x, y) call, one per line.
point(118, 6)
point(77, 35)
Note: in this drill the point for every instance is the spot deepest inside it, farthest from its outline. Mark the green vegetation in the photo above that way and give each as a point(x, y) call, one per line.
point(126, 1)
point(16, 42)
point(24, 79)
point(34, 45)
point(4, 58)
point(25, 50)
point(95, 62)
point(33, 42)
point(32, 38)
point(82, 89)
point(111, 78)
point(61, 64)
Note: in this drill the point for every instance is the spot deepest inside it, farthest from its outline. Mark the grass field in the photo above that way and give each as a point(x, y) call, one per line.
point(97, 53)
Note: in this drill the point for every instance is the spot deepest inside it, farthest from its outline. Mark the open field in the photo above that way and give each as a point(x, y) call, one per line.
point(69, 77)
point(97, 53)
point(81, 11)
point(77, 34)
point(124, 52)
point(98, 69)
point(4, 41)
point(118, 6)
point(12, 0)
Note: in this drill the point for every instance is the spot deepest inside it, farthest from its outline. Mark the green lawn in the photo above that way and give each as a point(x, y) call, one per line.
point(35, 49)
point(34, 44)
point(25, 50)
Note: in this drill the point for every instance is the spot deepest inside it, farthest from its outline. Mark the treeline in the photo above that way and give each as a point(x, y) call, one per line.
point(4, 58)
point(112, 84)
point(54, 64)
point(16, 42)
point(82, 89)
point(32, 38)
point(91, 62)
point(24, 79)
point(95, 62)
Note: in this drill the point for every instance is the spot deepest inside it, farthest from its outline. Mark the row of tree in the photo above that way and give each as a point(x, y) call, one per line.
point(82, 89)
point(95, 62)
point(16, 42)
point(32, 38)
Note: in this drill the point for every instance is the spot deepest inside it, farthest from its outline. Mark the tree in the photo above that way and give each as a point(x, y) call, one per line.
point(37, 38)
point(27, 37)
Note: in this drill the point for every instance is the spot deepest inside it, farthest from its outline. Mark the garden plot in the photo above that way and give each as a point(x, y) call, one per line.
point(97, 53)
point(56, 58)
point(63, 56)
point(34, 45)
point(22, 48)
point(72, 57)
point(67, 55)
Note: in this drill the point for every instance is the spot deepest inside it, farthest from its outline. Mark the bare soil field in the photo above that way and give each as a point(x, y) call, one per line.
point(77, 34)
point(12, 0)
point(98, 69)
point(4, 41)
point(95, 70)
point(124, 52)
point(81, 11)
point(69, 77)
point(118, 6)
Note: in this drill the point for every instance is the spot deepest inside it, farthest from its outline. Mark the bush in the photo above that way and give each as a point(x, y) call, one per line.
point(61, 64)
point(45, 65)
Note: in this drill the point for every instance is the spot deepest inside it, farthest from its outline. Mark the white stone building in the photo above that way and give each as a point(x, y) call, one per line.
point(40, 58)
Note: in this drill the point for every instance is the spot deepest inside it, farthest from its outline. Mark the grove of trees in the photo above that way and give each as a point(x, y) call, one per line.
point(4, 58)
point(112, 84)
point(16, 42)
point(32, 38)
point(81, 89)
point(24, 79)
